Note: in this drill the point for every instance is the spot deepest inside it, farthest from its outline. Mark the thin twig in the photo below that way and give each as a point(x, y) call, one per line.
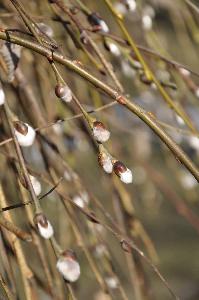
point(135, 109)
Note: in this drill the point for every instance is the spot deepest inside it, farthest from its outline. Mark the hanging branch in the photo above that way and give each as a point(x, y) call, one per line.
point(131, 106)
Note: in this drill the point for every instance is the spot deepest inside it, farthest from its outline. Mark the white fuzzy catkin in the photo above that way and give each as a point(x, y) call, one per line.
point(69, 268)
point(147, 22)
point(63, 92)
point(2, 96)
point(114, 49)
point(81, 199)
point(36, 185)
point(101, 134)
point(46, 231)
point(104, 26)
point(179, 120)
point(78, 201)
point(126, 6)
point(131, 5)
point(28, 139)
point(67, 97)
point(85, 196)
point(126, 176)
point(107, 164)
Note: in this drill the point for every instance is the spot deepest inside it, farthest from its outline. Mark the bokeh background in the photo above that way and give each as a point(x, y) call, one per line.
point(159, 210)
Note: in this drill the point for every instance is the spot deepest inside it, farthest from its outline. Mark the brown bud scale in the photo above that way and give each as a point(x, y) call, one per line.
point(41, 219)
point(21, 127)
point(119, 167)
point(69, 253)
point(98, 124)
point(61, 90)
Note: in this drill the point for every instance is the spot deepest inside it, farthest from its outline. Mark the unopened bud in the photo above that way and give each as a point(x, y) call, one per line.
point(68, 266)
point(122, 172)
point(100, 133)
point(25, 134)
point(44, 226)
point(63, 92)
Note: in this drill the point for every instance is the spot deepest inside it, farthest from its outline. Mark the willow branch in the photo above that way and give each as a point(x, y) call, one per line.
point(134, 108)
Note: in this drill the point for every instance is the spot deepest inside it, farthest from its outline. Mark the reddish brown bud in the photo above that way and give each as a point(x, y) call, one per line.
point(122, 172)
point(21, 127)
point(98, 124)
point(40, 219)
point(69, 253)
point(119, 168)
point(101, 134)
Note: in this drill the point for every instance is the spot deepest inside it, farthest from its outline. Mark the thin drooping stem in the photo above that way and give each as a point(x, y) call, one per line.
point(101, 108)
point(91, 42)
point(114, 231)
point(148, 72)
point(22, 162)
point(26, 273)
point(134, 108)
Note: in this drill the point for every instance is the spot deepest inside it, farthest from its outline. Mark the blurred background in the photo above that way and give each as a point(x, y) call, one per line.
point(159, 210)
